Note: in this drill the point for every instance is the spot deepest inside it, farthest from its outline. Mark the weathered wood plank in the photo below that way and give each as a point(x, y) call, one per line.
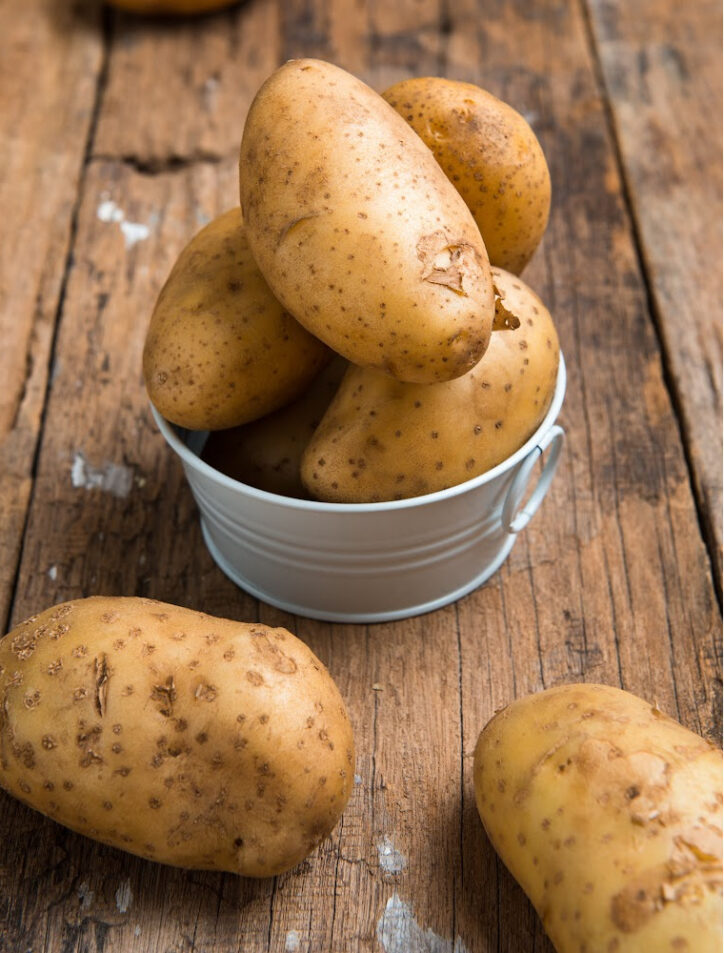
point(109, 510)
point(196, 78)
point(611, 582)
point(598, 588)
point(50, 61)
point(662, 64)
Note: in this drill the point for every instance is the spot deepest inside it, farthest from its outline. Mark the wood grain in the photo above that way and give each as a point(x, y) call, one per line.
point(611, 582)
point(661, 64)
point(50, 62)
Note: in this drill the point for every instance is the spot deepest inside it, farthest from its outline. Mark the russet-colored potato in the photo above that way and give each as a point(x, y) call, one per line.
point(609, 814)
point(490, 154)
point(183, 738)
point(220, 349)
point(382, 439)
point(358, 231)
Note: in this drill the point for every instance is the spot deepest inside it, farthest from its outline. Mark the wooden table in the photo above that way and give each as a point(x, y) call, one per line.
point(119, 138)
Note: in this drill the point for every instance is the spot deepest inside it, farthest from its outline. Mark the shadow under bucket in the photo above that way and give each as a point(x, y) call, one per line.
point(368, 562)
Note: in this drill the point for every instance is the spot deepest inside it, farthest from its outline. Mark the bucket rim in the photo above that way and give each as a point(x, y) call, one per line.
point(171, 434)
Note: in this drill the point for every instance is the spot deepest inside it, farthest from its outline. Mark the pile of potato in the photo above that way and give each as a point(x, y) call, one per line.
point(352, 332)
point(357, 332)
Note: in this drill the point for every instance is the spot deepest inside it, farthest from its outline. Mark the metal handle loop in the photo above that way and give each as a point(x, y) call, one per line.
point(514, 522)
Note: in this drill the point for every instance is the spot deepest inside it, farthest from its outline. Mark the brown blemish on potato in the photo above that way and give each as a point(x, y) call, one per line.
point(444, 260)
point(165, 696)
point(205, 692)
point(101, 683)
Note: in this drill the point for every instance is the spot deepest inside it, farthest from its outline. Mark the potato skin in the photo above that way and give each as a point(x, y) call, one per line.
point(183, 738)
point(220, 349)
point(267, 453)
point(384, 440)
point(492, 157)
point(608, 813)
point(358, 231)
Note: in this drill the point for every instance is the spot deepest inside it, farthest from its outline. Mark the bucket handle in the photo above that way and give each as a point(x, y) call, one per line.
point(514, 522)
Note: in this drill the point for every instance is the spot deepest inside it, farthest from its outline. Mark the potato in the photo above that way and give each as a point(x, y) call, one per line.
point(608, 813)
point(267, 453)
point(358, 231)
point(185, 739)
point(220, 349)
point(384, 440)
point(492, 157)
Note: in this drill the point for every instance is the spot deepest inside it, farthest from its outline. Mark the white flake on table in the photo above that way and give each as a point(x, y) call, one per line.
point(114, 478)
point(133, 232)
point(391, 860)
point(292, 944)
point(399, 932)
point(124, 896)
point(86, 896)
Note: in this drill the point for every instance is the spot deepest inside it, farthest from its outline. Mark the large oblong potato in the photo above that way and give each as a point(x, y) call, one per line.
point(382, 439)
point(490, 154)
point(220, 350)
point(609, 814)
point(357, 230)
point(183, 738)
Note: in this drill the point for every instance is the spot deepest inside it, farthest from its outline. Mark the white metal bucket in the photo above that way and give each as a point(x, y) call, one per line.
point(368, 562)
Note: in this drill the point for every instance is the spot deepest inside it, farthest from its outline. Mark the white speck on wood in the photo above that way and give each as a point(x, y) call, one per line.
point(358, 779)
point(399, 932)
point(134, 232)
point(137, 930)
point(292, 944)
point(53, 574)
point(86, 895)
point(391, 860)
point(124, 896)
point(114, 478)
point(108, 211)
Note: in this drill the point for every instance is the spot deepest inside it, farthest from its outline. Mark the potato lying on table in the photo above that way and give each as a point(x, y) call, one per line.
point(609, 814)
point(183, 738)
point(220, 349)
point(490, 154)
point(267, 453)
point(382, 439)
point(357, 229)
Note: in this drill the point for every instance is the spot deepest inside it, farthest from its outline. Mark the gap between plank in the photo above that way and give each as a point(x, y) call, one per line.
point(669, 379)
point(160, 165)
point(106, 32)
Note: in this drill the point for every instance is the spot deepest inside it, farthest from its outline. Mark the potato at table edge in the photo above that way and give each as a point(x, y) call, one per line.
point(608, 813)
point(180, 737)
point(220, 350)
point(357, 229)
point(490, 154)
